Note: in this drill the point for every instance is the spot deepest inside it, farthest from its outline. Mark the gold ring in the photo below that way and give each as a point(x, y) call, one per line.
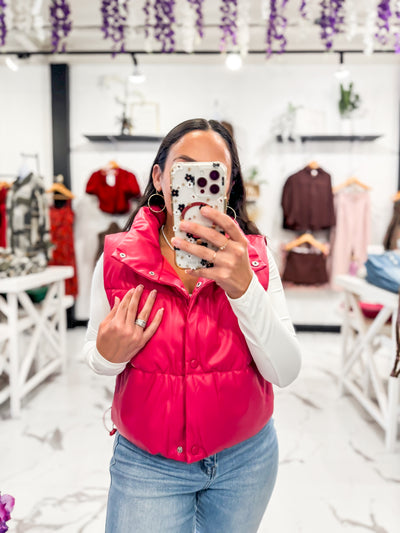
point(224, 245)
point(214, 256)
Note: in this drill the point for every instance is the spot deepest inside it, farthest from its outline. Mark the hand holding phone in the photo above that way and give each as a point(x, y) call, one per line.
point(194, 185)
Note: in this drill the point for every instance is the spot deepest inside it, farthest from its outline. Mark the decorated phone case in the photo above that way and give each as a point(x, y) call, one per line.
point(194, 185)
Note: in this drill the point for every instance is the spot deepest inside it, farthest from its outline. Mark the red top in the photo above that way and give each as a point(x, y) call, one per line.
point(113, 198)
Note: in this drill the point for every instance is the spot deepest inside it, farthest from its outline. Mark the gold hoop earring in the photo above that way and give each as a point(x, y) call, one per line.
point(234, 212)
point(155, 210)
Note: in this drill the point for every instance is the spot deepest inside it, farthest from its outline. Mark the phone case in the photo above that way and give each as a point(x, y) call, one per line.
point(194, 185)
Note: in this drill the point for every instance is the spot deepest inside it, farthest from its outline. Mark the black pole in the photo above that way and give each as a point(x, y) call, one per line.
point(60, 121)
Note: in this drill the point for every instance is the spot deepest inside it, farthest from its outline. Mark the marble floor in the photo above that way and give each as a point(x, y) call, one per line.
point(335, 475)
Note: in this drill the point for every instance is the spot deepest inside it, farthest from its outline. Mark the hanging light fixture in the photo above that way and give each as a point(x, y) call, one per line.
point(136, 76)
point(12, 64)
point(342, 72)
point(233, 61)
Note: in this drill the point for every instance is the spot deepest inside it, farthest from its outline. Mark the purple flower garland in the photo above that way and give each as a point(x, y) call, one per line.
point(198, 6)
point(228, 22)
point(331, 20)
point(303, 9)
point(3, 27)
point(61, 25)
point(6, 506)
point(276, 25)
point(397, 34)
point(114, 14)
point(163, 30)
point(384, 14)
point(146, 9)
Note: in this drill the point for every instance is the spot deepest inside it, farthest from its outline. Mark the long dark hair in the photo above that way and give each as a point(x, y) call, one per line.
point(237, 195)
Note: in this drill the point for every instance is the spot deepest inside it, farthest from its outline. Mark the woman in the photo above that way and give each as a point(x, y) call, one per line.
point(196, 354)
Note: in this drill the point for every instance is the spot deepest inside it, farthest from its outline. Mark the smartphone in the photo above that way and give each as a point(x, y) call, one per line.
point(194, 185)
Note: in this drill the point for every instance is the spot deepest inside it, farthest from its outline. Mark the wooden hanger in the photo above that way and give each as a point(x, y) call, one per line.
point(349, 182)
point(309, 239)
point(396, 197)
point(112, 164)
point(63, 192)
point(313, 165)
point(5, 184)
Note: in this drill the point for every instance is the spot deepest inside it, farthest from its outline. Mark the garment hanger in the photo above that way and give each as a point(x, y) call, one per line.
point(307, 238)
point(313, 165)
point(5, 184)
point(349, 182)
point(111, 165)
point(60, 190)
point(396, 197)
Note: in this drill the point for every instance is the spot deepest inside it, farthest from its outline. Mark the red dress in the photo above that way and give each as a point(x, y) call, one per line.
point(62, 236)
point(113, 198)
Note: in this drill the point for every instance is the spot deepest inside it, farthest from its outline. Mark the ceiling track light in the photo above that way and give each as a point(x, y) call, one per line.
point(233, 61)
point(136, 76)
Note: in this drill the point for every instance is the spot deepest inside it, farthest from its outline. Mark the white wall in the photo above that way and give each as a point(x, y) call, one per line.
point(25, 118)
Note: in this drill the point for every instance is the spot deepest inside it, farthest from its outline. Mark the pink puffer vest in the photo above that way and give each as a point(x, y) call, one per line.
point(194, 389)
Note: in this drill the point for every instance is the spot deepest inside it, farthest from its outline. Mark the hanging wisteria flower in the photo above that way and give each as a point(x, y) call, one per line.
point(146, 9)
point(61, 24)
point(369, 28)
point(6, 506)
point(397, 33)
point(188, 27)
point(331, 20)
point(198, 7)
point(114, 15)
point(243, 24)
point(303, 9)
point(350, 19)
point(3, 27)
point(228, 23)
point(384, 13)
point(163, 28)
point(276, 25)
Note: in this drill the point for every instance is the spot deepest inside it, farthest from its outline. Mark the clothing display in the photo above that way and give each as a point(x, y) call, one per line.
point(62, 236)
point(152, 391)
point(28, 225)
point(351, 236)
point(307, 201)
point(114, 188)
point(391, 240)
point(305, 267)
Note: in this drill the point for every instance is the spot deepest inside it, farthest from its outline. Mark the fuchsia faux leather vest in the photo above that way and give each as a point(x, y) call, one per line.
point(194, 389)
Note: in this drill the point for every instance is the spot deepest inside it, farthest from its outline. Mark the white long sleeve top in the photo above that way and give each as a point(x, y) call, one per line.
point(262, 316)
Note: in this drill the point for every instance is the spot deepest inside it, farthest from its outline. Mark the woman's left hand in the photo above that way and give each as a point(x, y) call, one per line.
point(231, 270)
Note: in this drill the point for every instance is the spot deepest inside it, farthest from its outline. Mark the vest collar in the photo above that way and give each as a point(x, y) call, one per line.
point(140, 249)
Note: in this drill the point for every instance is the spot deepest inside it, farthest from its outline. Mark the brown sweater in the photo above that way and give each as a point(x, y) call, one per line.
point(307, 201)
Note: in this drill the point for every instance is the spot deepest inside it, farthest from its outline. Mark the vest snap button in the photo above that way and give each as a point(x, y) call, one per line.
point(194, 363)
point(255, 263)
point(179, 449)
point(122, 255)
point(195, 450)
point(151, 273)
point(198, 284)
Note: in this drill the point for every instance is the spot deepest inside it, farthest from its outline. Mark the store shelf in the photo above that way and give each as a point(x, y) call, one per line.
point(123, 138)
point(330, 138)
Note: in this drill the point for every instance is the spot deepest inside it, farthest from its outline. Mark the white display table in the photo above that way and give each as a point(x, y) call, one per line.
point(376, 390)
point(32, 336)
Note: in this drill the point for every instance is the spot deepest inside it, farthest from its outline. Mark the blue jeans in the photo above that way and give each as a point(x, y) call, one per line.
point(225, 493)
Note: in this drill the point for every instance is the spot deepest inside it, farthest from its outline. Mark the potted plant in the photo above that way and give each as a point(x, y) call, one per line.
point(348, 103)
point(252, 185)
